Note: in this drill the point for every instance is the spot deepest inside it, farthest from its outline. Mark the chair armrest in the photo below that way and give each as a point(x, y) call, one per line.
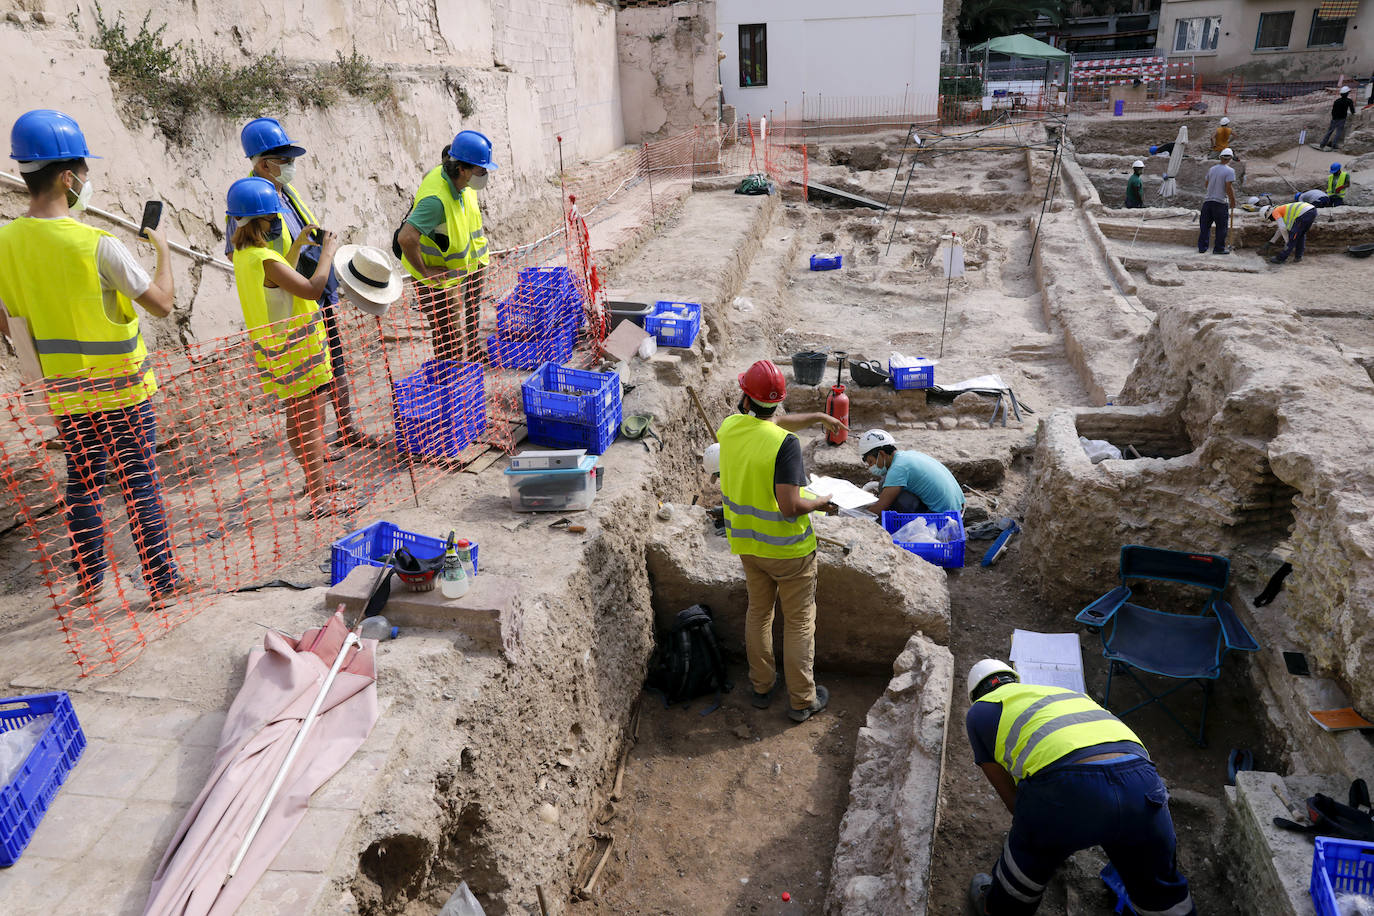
point(1100, 611)
point(1232, 630)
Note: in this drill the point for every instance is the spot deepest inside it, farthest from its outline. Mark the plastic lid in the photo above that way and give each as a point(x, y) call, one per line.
point(464, 543)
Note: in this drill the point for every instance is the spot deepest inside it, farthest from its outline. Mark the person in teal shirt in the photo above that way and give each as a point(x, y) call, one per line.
point(908, 480)
point(1135, 186)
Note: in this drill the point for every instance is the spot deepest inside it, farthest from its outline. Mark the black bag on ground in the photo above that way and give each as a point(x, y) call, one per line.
point(1331, 818)
point(688, 662)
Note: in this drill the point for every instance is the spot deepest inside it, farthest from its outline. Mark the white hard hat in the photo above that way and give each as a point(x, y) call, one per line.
point(1137, 164)
point(1227, 154)
point(1344, 90)
point(984, 670)
point(874, 438)
point(1265, 211)
point(1225, 121)
point(712, 458)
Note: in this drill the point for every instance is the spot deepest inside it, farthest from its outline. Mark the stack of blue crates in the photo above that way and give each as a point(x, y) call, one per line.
point(538, 322)
point(440, 409)
point(674, 324)
point(572, 408)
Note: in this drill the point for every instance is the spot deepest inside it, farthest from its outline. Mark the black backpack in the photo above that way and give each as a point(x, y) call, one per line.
point(1331, 818)
point(688, 662)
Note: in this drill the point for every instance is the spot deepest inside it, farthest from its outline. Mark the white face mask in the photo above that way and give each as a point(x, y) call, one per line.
point(477, 182)
point(288, 173)
point(83, 197)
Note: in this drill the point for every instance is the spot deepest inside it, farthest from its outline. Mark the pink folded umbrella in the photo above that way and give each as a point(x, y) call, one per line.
point(281, 686)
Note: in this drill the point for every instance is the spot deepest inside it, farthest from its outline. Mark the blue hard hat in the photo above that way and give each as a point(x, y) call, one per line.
point(44, 135)
point(1296, 195)
point(263, 135)
point(473, 148)
point(249, 197)
point(1335, 168)
point(1153, 150)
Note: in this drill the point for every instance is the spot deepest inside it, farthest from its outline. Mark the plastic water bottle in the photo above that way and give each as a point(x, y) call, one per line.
point(453, 581)
point(379, 629)
point(464, 547)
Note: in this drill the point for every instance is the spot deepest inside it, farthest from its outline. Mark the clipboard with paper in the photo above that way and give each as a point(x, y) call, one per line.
point(841, 492)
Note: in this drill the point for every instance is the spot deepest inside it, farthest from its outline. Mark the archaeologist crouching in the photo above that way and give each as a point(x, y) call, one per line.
point(908, 480)
point(1293, 220)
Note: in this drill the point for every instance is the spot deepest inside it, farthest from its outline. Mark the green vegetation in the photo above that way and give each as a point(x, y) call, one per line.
point(960, 82)
point(175, 82)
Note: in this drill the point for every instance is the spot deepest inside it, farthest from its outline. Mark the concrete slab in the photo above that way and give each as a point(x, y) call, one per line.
point(114, 769)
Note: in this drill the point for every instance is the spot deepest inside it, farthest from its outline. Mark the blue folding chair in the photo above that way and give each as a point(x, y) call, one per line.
point(1190, 647)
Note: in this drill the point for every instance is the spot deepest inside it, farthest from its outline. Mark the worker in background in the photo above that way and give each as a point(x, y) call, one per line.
point(274, 158)
point(1341, 109)
point(1337, 183)
point(1163, 149)
point(1316, 197)
point(1221, 137)
point(74, 285)
point(908, 480)
point(282, 311)
point(1135, 186)
point(444, 247)
point(1220, 192)
point(1073, 776)
point(768, 523)
point(1293, 222)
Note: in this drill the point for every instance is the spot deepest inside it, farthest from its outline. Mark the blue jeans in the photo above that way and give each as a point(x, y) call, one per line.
point(1297, 236)
point(1336, 129)
point(89, 441)
point(1121, 806)
point(1213, 211)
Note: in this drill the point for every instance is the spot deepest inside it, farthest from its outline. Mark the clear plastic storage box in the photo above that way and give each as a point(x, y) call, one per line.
point(554, 489)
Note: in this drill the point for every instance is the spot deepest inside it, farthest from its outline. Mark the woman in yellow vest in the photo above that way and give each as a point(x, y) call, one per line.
point(444, 247)
point(286, 327)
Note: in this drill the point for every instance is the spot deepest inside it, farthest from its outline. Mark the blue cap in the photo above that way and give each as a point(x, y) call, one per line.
point(1335, 168)
point(44, 135)
point(249, 197)
point(1153, 150)
point(473, 148)
point(266, 135)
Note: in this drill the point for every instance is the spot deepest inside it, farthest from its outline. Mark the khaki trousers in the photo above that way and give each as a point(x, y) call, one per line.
point(792, 584)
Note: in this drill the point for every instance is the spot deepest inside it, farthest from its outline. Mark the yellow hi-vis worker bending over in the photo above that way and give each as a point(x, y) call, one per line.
point(444, 247)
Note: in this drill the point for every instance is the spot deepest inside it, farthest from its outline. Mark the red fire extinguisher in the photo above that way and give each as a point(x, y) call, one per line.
point(837, 404)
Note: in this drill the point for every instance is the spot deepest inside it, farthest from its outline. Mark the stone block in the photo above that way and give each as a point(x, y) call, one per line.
point(114, 769)
point(180, 776)
point(31, 886)
point(71, 827)
point(315, 841)
point(284, 893)
point(489, 614)
point(205, 731)
point(141, 830)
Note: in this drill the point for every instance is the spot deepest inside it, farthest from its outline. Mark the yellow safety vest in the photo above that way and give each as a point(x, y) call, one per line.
point(1039, 725)
point(50, 276)
point(467, 242)
point(748, 452)
point(293, 354)
point(1337, 185)
point(1289, 213)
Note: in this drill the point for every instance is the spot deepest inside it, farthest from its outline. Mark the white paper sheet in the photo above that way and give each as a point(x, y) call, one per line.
point(842, 493)
point(1048, 659)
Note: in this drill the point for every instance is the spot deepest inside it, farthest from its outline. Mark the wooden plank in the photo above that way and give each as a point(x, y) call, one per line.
point(482, 462)
point(828, 191)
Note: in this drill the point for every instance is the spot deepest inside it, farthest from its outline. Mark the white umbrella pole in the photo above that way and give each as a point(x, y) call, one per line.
point(291, 755)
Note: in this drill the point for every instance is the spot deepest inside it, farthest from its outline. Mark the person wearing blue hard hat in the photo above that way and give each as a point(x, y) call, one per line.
point(1337, 183)
point(282, 310)
point(274, 156)
point(74, 286)
point(444, 247)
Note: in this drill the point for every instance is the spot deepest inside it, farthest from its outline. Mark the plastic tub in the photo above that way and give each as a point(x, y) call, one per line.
point(25, 800)
point(554, 490)
point(439, 409)
point(1339, 867)
point(827, 261)
point(808, 367)
point(367, 546)
point(921, 375)
point(636, 312)
point(949, 554)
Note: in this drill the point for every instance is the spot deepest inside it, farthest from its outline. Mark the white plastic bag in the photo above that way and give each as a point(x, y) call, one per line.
point(1098, 449)
point(462, 903)
point(16, 745)
point(916, 531)
point(1354, 905)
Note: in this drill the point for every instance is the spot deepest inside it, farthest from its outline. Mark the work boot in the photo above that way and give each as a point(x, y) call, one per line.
point(761, 700)
point(1276, 260)
point(822, 699)
point(978, 893)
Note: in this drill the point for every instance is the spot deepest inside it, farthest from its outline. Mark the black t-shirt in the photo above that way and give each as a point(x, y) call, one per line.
point(788, 468)
point(1342, 107)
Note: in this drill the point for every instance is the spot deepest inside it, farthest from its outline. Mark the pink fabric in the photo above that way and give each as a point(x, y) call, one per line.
point(280, 686)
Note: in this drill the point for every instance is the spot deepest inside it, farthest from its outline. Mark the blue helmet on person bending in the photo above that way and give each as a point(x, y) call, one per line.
point(262, 135)
point(473, 148)
point(1153, 150)
point(1297, 195)
point(250, 197)
point(44, 135)
point(1335, 168)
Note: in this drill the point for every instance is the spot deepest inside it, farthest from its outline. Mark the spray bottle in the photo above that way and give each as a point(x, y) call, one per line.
point(837, 403)
point(453, 580)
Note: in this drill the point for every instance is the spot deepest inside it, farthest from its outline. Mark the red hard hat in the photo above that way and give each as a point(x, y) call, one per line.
point(764, 382)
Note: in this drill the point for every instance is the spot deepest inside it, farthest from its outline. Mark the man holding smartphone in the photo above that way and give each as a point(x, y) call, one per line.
point(274, 157)
point(74, 285)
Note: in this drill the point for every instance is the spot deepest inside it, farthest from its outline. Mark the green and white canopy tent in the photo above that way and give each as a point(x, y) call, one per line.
point(1026, 47)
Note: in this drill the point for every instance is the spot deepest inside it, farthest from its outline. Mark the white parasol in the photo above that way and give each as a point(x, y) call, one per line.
point(1170, 187)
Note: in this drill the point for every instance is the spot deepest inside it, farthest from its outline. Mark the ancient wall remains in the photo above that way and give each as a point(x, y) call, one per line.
point(669, 72)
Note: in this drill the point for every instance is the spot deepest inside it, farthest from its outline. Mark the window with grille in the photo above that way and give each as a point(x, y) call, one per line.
point(1326, 33)
point(1274, 31)
point(753, 55)
point(1197, 34)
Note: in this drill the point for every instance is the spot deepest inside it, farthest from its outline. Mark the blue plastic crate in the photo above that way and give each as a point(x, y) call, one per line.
point(527, 354)
point(595, 438)
point(1340, 867)
point(531, 313)
point(904, 378)
point(674, 324)
point(440, 409)
point(949, 554)
point(827, 261)
point(368, 545)
point(556, 392)
point(26, 798)
point(555, 277)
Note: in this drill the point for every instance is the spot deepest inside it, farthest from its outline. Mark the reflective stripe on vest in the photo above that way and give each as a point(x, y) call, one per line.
point(467, 241)
point(1336, 185)
point(1039, 725)
point(753, 522)
point(1289, 213)
point(92, 360)
point(292, 355)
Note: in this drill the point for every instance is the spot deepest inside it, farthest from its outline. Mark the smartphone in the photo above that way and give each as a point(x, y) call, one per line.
point(152, 215)
point(316, 236)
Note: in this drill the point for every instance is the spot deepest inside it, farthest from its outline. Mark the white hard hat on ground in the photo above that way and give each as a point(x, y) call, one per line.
point(1227, 154)
point(1225, 121)
point(1265, 211)
point(874, 438)
point(984, 670)
point(1137, 164)
point(712, 458)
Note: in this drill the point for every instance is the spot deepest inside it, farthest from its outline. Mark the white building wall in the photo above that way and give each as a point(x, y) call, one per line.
point(890, 49)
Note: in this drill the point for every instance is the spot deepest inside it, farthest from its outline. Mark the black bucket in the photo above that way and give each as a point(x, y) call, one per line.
point(1360, 251)
point(808, 367)
point(628, 311)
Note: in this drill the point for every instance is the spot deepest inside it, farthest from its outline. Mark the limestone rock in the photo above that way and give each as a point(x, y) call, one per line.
point(948, 422)
point(969, 423)
point(1164, 275)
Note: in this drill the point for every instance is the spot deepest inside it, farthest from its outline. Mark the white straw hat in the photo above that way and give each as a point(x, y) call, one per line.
point(367, 277)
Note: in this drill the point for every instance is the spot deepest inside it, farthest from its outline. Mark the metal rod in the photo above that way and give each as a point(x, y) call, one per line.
point(949, 281)
point(1054, 166)
point(901, 155)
